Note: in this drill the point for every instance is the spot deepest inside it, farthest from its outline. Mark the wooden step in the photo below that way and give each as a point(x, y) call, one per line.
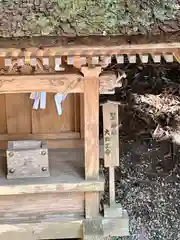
point(67, 175)
point(29, 206)
point(58, 228)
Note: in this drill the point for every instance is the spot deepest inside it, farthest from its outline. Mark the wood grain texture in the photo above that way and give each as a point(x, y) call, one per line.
point(105, 46)
point(92, 204)
point(27, 206)
point(43, 229)
point(82, 115)
point(27, 159)
point(48, 120)
point(58, 228)
point(111, 134)
point(111, 186)
point(76, 112)
point(66, 175)
point(113, 211)
point(3, 119)
point(18, 112)
point(40, 136)
point(91, 122)
point(28, 144)
point(165, 40)
point(117, 227)
point(39, 83)
point(54, 144)
point(93, 229)
point(91, 136)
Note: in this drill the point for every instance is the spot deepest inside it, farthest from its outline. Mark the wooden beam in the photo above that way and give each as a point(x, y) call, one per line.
point(55, 144)
point(58, 228)
point(40, 136)
point(92, 203)
point(81, 50)
point(25, 206)
point(73, 45)
point(41, 83)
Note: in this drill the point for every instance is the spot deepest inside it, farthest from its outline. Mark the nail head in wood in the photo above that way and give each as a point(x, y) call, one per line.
point(44, 169)
point(11, 154)
point(29, 158)
point(43, 153)
point(12, 170)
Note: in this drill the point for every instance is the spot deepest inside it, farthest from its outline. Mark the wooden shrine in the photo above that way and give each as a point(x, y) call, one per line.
point(65, 203)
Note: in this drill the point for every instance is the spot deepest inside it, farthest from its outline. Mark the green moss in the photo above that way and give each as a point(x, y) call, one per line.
point(51, 17)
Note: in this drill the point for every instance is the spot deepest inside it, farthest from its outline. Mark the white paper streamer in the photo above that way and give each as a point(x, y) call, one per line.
point(36, 101)
point(42, 100)
point(59, 98)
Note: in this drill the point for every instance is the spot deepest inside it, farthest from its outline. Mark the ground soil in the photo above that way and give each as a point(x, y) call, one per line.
point(147, 181)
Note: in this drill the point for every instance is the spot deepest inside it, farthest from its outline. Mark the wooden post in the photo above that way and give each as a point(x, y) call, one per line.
point(93, 229)
point(91, 121)
point(91, 136)
point(111, 154)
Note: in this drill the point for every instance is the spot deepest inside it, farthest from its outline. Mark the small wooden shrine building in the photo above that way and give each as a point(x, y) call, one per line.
point(54, 58)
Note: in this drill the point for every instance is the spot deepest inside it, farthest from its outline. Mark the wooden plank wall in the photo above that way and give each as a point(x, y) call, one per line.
point(18, 117)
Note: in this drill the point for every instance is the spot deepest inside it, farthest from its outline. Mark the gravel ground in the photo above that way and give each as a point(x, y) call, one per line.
point(147, 186)
point(147, 181)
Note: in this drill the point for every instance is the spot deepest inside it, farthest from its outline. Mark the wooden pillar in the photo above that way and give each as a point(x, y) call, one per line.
point(91, 136)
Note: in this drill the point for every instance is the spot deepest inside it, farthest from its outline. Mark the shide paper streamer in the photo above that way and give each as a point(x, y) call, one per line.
point(40, 101)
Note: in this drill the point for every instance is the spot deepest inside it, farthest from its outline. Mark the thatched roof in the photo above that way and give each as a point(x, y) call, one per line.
point(75, 17)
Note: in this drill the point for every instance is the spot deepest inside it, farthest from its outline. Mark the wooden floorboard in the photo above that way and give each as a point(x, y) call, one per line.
point(67, 175)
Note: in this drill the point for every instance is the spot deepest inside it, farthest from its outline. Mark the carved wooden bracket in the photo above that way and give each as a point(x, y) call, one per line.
point(109, 80)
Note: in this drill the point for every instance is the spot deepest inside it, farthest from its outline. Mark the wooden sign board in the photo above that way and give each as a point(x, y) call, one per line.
point(111, 134)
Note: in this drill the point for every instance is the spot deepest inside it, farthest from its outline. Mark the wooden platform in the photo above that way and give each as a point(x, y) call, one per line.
point(67, 174)
point(58, 228)
point(45, 208)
